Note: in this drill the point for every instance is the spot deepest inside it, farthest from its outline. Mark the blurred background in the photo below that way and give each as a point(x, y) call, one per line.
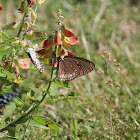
point(104, 25)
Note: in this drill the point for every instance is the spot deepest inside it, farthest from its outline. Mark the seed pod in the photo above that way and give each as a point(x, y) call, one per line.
point(11, 26)
point(33, 15)
point(23, 8)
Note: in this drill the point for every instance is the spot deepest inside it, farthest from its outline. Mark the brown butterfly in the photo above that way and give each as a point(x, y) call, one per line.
point(72, 67)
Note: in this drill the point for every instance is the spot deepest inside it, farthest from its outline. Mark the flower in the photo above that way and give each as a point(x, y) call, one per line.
point(46, 54)
point(66, 32)
point(1, 6)
point(31, 2)
point(47, 43)
point(57, 38)
point(63, 52)
point(61, 37)
point(6, 64)
point(18, 80)
point(24, 63)
point(68, 37)
point(70, 40)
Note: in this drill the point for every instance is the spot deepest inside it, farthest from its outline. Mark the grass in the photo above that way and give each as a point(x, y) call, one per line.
point(116, 31)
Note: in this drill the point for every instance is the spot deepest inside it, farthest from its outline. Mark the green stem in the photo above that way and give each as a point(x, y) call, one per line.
point(32, 109)
point(20, 29)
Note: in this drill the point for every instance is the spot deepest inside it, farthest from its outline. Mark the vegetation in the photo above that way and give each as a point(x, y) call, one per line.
point(101, 105)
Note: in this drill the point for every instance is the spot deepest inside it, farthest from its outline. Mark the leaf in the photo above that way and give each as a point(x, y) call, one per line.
point(18, 102)
point(30, 94)
point(33, 123)
point(4, 36)
point(73, 94)
point(7, 73)
point(47, 122)
point(64, 84)
point(53, 89)
point(9, 109)
point(8, 138)
point(11, 131)
point(9, 50)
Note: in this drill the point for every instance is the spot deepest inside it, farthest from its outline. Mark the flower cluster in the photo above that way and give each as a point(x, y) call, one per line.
point(61, 38)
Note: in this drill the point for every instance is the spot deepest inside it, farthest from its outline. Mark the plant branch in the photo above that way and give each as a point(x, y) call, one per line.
point(32, 108)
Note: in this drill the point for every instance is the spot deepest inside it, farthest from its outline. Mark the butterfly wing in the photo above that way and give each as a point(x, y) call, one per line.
point(34, 58)
point(7, 98)
point(72, 67)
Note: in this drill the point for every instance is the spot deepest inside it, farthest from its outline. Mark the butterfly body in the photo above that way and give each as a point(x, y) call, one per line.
point(6, 98)
point(72, 67)
point(34, 58)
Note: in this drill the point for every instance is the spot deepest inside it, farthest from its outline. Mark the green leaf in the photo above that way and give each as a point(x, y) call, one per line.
point(33, 123)
point(47, 122)
point(8, 138)
point(64, 84)
point(9, 50)
point(53, 89)
point(9, 109)
point(7, 73)
point(30, 94)
point(18, 101)
point(11, 131)
point(4, 36)
point(73, 94)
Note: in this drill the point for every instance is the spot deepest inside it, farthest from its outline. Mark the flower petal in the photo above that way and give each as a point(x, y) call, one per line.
point(18, 80)
point(70, 53)
point(47, 42)
point(69, 33)
point(24, 63)
point(66, 32)
point(41, 52)
point(31, 2)
point(57, 40)
point(47, 56)
point(65, 43)
point(73, 40)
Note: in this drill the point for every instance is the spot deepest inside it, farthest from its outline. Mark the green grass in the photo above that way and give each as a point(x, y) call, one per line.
point(117, 32)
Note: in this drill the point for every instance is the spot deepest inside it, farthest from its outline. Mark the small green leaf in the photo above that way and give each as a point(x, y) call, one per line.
point(7, 73)
point(64, 84)
point(33, 123)
point(11, 131)
point(18, 101)
point(47, 122)
point(53, 89)
point(4, 36)
point(9, 50)
point(73, 94)
point(9, 109)
point(30, 94)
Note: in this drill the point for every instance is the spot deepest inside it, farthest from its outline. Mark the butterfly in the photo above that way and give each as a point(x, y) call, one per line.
point(34, 58)
point(72, 67)
point(7, 98)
